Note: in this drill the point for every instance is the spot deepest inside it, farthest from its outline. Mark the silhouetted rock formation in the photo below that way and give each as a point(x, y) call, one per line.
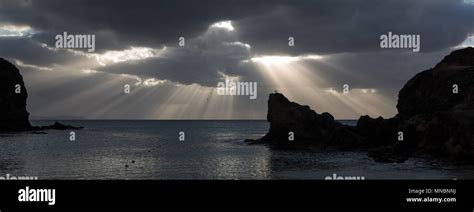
point(443, 121)
point(431, 91)
point(434, 120)
point(287, 117)
point(13, 113)
point(13, 95)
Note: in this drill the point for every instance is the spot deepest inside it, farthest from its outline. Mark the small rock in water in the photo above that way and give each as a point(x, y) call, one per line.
point(59, 126)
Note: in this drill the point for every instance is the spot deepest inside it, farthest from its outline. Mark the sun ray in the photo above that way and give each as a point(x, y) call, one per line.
point(300, 83)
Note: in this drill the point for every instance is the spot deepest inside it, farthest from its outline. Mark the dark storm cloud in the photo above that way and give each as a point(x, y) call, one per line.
point(200, 61)
point(29, 51)
point(323, 26)
point(346, 31)
point(351, 26)
point(139, 23)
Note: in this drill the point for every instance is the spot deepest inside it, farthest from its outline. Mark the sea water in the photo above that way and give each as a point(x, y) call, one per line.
point(211, 150)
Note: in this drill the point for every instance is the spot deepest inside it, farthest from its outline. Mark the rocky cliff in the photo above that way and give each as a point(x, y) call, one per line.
point(436, 118)
point(13, 95)
point(437, 107)
point(431, 91)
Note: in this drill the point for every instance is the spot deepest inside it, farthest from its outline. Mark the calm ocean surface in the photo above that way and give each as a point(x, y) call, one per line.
point(211, 150)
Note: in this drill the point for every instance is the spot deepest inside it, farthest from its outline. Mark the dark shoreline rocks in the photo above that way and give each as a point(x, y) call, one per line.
point(14, 116)
point(58, 126)
point(435, 122)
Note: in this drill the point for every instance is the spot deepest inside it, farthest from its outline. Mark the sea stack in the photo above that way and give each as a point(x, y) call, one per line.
point(298, 127)
point(13, 95)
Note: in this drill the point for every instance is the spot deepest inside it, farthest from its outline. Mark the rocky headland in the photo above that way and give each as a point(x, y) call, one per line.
point(14, 116)
point(435, 116)
point(13, 95)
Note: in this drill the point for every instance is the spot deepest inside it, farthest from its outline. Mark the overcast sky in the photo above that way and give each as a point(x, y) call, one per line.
point(336, 42)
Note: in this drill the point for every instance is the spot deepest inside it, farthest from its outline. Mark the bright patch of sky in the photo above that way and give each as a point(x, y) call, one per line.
point(8, 30)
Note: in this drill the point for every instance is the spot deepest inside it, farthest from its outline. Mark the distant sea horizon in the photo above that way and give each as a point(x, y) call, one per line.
point(343, 121)
point(165, 119)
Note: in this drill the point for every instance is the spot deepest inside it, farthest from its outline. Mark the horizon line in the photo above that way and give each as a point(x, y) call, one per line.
point(166, 119)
